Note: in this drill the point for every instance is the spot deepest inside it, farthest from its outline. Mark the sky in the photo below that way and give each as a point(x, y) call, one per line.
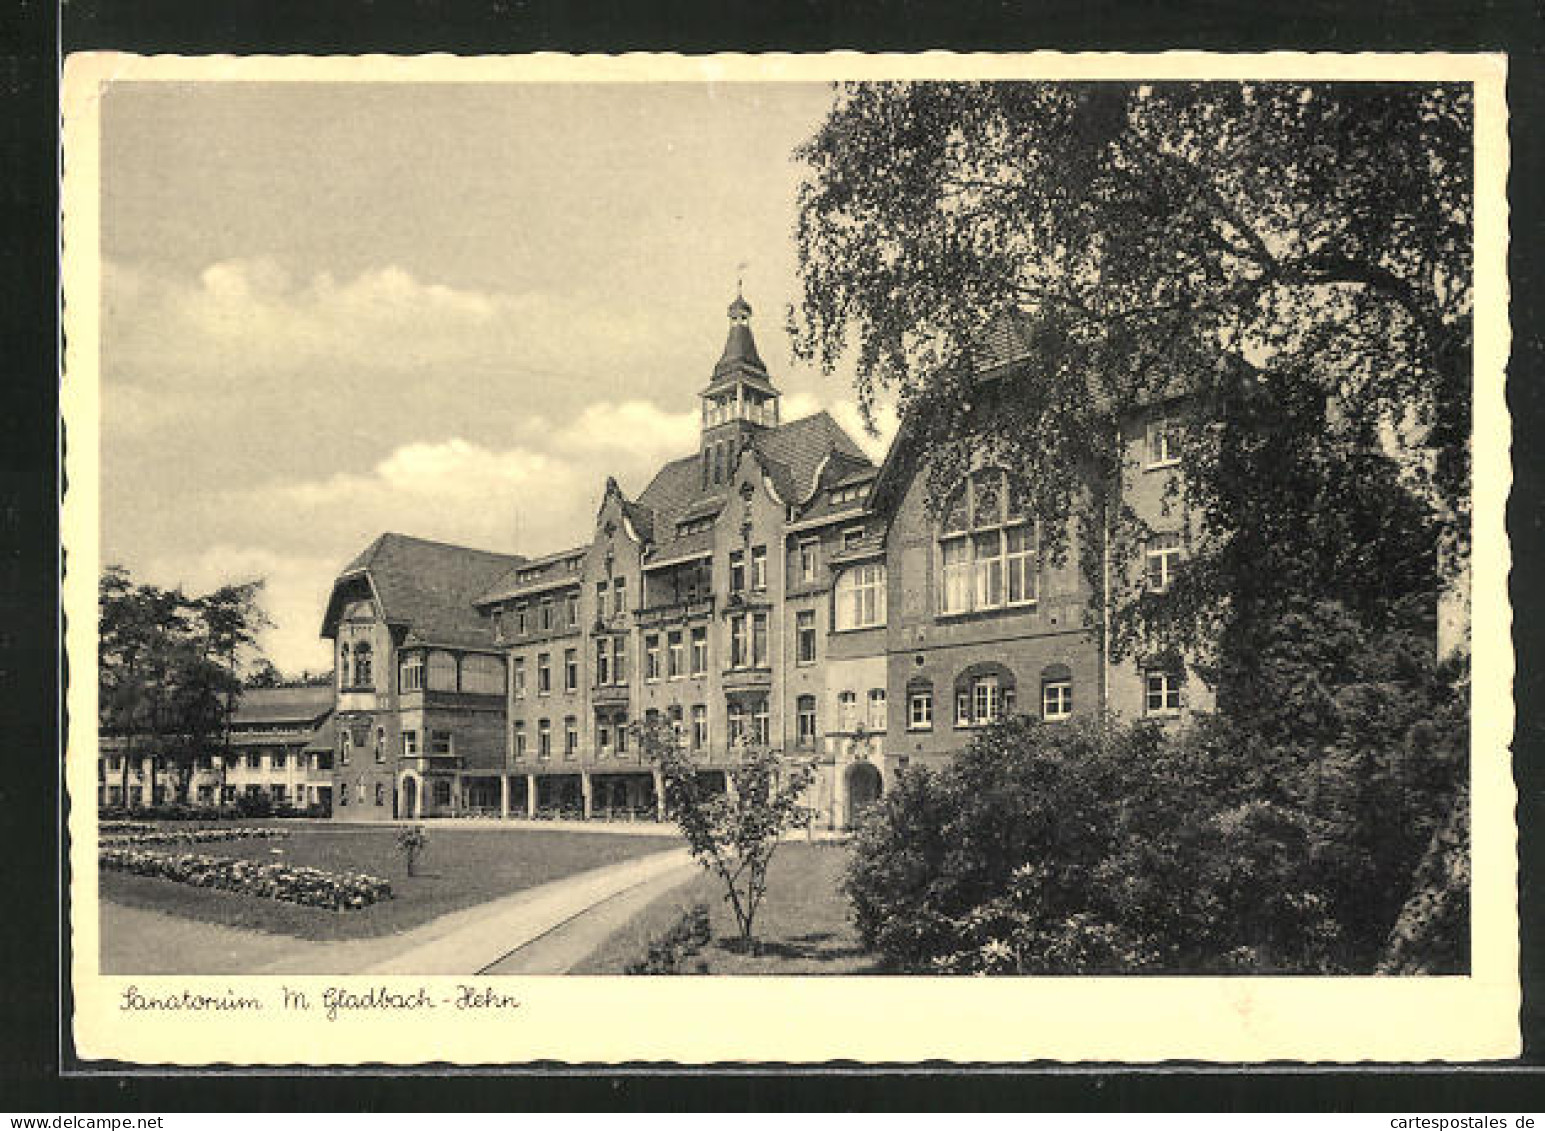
point(332, 310)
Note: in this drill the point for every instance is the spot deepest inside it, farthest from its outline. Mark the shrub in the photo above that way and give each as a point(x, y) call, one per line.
point(313, 887)
point(411, 842)
point(131, 833)
point(683, 939)
point(1096, 847)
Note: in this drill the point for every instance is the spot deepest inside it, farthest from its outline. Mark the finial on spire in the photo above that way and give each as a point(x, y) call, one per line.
point(740, 309)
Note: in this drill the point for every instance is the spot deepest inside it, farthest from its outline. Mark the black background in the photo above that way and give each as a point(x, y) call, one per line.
point(37, 1069)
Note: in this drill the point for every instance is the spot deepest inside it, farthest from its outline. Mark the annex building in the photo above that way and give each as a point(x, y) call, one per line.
point(774, 587)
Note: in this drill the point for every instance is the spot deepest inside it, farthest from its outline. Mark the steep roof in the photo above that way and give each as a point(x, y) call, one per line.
point(429, 587)
point(282, 704)
point(546, 572)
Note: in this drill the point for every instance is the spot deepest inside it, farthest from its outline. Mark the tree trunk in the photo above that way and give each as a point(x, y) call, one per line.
point(1431, 935)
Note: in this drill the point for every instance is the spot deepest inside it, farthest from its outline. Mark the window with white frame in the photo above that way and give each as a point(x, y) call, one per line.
point(520, 738)
point(544, 739)
point(983, 696)
point(737, 571)
point(571, 669)
point(876, 708)
point(675, 654)
point(758, 568)
point(699, 727)
point(520, 677)
point(522, 619)
point(1056, 699)
point(619, 660)
point(700, 650)
point(860, 596)
point(544, 674)
point(809, 551)
point(411, 677)
point(738, 718)
point(804, 636)
point(739, 652)
point(987, 548)
point(603, 737)
point(1162, 441)
point(380, 745)
point(570, 738)
point(602, 590)
point(805, 720)
point(363, 676)
point(1161, 561)
point(847, 711)
point(603, 661)
point(761, 720)
point(919, 707)
point(545, 615)
point(759, 640)
point(1161, 693)
point(651, 658)
point(571, 609)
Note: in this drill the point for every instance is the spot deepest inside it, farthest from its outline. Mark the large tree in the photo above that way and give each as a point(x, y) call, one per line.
point(169, 669)
point(1289, 263)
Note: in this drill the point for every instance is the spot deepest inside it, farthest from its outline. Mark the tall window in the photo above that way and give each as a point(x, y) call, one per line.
point(544, 739)
point(699, 727)
point(345, 665)
point(759, 567)
point(571, 609)
point(804, 636)
point(699, 650)
point(983, 697)
point(761, 732)
point(412, 672)
point(678, 727)
point(675, 660)
point(544, 674)
point(739, 719)
point(345, 746)
point(847, 710)
point(876, 708)
point(808, 551)
point(363, 676)
point(861, 597)
point(619, 595)
point(1162, 561)
point(603, 661)
point(545, 621)
point(619, 659)
point(520, 738)
point(571, 669)
point(1161, 694)
point(920, 708)
point(520, 677)
point(482, 675)
point(987, 551)
point(805, 716)
point(442, 671)
point(737, 571)
point(738, 651)
point(759, 640)
point(570, 737)
point(651, 657)
point(602, 591)
point(522, 619)
point(1162, 443)
point(603, 738)
point(380, 744)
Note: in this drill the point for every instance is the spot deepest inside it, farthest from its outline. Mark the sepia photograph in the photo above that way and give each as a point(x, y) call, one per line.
point(857, 528)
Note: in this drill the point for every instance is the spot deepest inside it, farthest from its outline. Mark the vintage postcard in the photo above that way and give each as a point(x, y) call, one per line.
point(874, 559)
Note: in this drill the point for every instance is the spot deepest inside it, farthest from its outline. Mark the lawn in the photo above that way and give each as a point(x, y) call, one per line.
point(461, 868)
point(803, 924)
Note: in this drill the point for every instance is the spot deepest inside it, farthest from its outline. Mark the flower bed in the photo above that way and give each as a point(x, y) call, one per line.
point(116, 827)
point(121, 836)
point(310, 886)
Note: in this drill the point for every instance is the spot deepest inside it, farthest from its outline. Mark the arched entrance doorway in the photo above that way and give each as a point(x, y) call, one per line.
point(864, 787)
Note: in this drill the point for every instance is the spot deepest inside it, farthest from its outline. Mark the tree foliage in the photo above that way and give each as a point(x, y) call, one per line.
point(1306, 247)
point(1099, 847)
point(733, 832)
point(169, 668)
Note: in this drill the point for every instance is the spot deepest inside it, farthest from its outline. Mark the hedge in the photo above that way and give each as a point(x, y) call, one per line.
point(310, 886)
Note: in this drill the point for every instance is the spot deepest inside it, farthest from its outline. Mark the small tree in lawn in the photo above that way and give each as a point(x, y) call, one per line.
point(732, 834)
point(411, 842)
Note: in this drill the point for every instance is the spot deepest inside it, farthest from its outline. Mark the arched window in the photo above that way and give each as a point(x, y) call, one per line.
point(442, 671)
point(482, 675)
point(860, 596)
point(411, 669)
point(984, 694)
point(987, 548)
point(363, 676)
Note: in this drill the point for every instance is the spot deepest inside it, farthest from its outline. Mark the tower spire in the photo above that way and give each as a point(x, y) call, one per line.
point(740, 398)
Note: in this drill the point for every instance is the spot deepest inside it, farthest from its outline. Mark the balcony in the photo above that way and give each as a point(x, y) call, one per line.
point(609, 694)
point(746, 679)
point(675, 611)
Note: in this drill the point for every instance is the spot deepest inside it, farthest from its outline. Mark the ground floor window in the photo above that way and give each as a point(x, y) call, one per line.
point(983, 699)
point(806, 717)
point(920, 709)
point(1056, 699)
point(442, 792)
point(1161, 694)
point(380, 794)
